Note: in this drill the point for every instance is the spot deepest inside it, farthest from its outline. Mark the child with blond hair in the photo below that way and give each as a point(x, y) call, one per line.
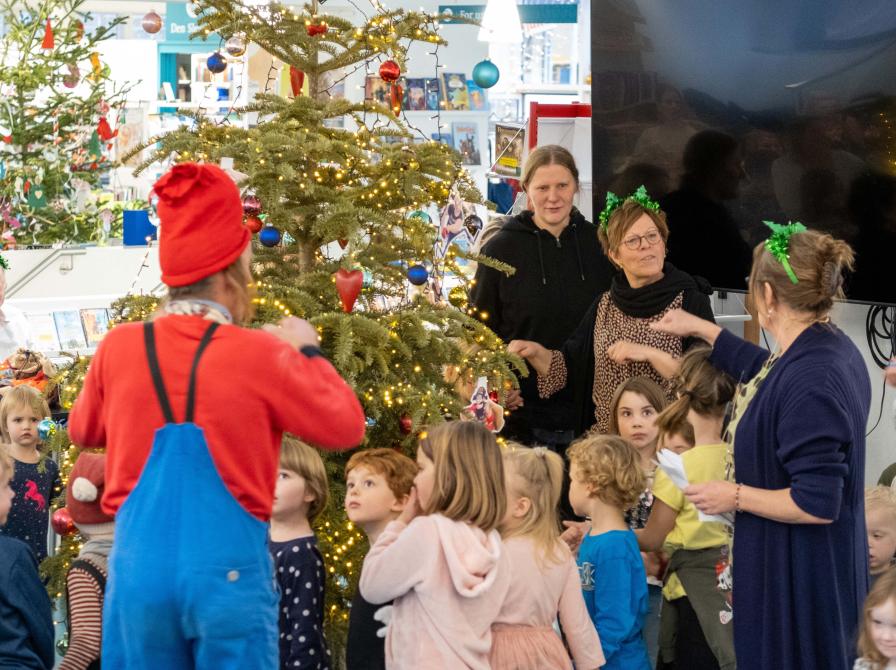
point(605, 480)
point(877, 642)
point(36, 481)
point(26, 621)
point(377, 485)
point(442, 561)
point(880, 523)
point(545, 579)
point(300, 496)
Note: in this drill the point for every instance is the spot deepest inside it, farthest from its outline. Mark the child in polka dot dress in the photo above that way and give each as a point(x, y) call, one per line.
point(300, 496)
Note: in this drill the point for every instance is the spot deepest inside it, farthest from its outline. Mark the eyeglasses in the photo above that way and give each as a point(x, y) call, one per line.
point(634, 242)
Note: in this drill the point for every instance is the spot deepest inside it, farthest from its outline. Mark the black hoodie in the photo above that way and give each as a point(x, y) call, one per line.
point(556, 281)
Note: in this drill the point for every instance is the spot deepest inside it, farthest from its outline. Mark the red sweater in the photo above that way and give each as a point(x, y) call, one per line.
point(250, 388)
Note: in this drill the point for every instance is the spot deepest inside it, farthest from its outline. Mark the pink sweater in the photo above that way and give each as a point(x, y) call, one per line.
point(537, 594)
point(448, 580)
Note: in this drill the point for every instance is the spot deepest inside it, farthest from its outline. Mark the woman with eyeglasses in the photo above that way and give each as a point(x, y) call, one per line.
point(614, 341)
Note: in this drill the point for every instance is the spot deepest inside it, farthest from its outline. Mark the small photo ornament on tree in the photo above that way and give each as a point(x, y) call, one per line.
point(483, 409)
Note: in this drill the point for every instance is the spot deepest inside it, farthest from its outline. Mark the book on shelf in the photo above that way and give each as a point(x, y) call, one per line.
point(433, 94)
point(377, 90)
point(476, 95)
point(509, 141)
point(454, 91)
point(466, 142)
point(415, 94)
point(444, 138)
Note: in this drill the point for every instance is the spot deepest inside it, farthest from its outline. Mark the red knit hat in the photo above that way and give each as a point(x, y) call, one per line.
point(201, 230)
point(86, 484)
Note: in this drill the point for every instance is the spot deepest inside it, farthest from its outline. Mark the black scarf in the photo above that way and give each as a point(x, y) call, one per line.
point(650, 300)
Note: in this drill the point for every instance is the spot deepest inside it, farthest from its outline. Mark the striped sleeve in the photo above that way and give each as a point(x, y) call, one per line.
point(86, 610)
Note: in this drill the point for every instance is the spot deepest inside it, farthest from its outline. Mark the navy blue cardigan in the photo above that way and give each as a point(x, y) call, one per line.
point(799, 588)
point(26, 623)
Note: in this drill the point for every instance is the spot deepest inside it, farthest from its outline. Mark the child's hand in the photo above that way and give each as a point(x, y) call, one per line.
point(574, 533)
point(384, 616)
point(411, 508)
point(890, 372)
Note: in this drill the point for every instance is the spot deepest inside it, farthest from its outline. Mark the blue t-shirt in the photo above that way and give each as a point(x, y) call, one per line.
point(34, 486)
point(615, 588)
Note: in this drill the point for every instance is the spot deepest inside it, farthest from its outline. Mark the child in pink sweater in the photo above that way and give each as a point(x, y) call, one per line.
point(442, 561)
point(545, 578)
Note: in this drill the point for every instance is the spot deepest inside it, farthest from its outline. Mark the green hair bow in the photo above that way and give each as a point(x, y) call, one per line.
point(614, 202)
point(4, 263)
point(778, 244)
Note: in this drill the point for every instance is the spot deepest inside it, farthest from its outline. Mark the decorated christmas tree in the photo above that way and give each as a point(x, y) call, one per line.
point(56, 123)
point(344, 238)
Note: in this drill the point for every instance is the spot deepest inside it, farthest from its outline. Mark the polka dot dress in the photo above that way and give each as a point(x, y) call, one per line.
point(299, 568)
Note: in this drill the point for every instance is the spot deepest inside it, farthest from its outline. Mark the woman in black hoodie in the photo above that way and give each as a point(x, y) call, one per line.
point(560, 268)
point(614, 341)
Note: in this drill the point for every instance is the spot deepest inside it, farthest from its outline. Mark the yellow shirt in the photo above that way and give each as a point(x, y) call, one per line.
point(703, 463)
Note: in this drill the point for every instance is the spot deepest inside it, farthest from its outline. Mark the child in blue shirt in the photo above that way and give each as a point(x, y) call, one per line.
point(605, 480)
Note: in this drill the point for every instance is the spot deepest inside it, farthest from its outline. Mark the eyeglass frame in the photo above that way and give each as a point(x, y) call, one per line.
point(632, 238)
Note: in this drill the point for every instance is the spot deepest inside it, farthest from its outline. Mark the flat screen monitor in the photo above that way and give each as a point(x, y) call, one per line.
point(736, 113)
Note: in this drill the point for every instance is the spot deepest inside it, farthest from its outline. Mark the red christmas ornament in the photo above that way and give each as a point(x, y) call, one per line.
point(348, 286)
point(396, 94)
point(62, 522)
point(49, 41)
point(254, 224)
point(314, 30)
point(104, 130)
point(343, 243)
point(389, 71)
point(296, 79)
point(251, 205)
point(406, 423)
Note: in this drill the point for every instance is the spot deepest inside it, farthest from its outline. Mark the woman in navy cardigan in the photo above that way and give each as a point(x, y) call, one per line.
point(800, 555)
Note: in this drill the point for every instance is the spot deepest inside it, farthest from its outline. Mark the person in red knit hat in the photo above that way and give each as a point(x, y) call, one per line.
point(86, 582)
point(191, 409)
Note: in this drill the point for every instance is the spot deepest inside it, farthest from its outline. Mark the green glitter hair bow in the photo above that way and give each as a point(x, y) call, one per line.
point(778, 244)
point(4, 263)
point(614, 202)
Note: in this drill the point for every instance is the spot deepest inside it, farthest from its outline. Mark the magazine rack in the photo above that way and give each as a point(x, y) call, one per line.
point(568, 125)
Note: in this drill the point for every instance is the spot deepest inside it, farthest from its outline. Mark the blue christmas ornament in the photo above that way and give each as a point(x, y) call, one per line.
point(486, 74)
point(46, 429)
point(217, 64)
point(269, 236)
point(369, 422)
point(417, 275)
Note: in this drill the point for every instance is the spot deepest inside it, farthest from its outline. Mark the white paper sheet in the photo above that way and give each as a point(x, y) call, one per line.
point(673, 466)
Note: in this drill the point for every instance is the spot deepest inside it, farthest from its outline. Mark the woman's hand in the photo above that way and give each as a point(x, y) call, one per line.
point(713, 497)
point(890, 372)
point(513, 399)
point(684, 324)
point(411, 508)
point(623, 351)
point(539, 357)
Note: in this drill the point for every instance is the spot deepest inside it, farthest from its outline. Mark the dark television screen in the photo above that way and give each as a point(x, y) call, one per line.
point(733, 113)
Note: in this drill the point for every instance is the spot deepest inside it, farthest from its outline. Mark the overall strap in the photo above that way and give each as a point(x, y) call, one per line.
point(191, 392)
point(156, 371)
point(150, 341)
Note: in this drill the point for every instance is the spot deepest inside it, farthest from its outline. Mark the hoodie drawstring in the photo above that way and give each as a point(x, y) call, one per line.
point(544, 279)
point(575, 236)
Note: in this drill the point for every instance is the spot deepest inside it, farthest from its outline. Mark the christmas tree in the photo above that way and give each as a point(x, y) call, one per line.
point(57, 118)
point(344, 239)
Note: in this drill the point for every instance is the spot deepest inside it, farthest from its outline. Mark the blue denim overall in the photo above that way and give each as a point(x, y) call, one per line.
point(190, 577)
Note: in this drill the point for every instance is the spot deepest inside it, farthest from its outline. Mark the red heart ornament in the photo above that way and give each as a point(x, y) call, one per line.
point(348, 286)
point(314, 30)
point(296, 80)
point(343, 243)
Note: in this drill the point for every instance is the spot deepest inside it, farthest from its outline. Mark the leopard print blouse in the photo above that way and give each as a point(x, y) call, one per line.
point(611, 326)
